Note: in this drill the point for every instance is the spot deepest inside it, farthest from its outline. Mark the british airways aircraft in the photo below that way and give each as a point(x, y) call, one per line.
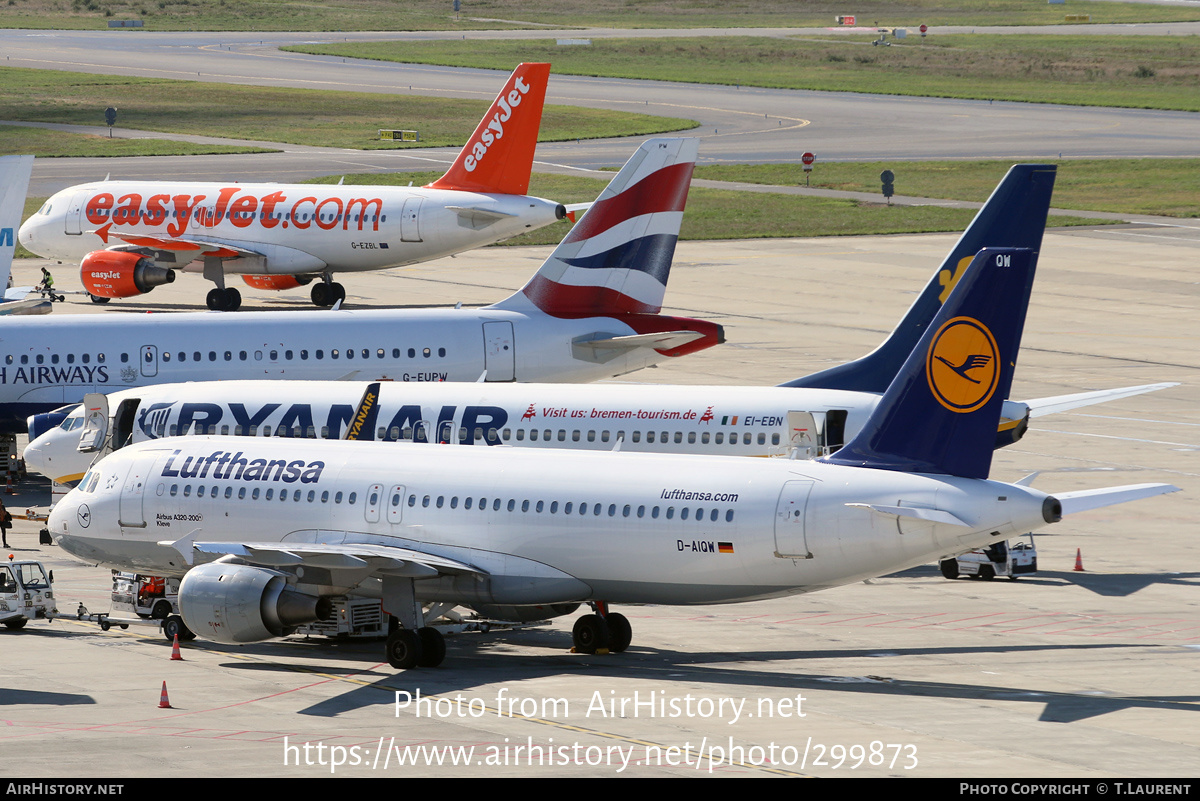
point(591, 311)
point(131, 236)
point(266, 532)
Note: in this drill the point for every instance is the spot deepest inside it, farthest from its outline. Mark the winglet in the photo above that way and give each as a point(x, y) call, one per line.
point(498, 157)
point(1013, 217)
point(362, 424)
point(940, 413)
point(14, 181)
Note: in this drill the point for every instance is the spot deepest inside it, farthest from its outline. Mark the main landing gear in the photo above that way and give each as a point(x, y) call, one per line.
point(602, 632)
point(224, 299)
point(425, 647)
point(326, 293)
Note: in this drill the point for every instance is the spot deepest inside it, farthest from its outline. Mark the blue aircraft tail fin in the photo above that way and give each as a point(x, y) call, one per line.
point(940, 413)
point(1013, 217)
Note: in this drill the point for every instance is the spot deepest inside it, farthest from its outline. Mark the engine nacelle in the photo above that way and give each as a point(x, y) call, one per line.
point(239, 604)
point(121, 274)
point(524, 614)
point(276, 281)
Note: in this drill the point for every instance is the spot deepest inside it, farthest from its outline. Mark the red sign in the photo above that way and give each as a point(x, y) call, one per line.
point(924, 28)
point(808, 159)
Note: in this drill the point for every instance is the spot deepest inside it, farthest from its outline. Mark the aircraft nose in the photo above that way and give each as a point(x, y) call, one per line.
point(25, 235)
point(36, 458)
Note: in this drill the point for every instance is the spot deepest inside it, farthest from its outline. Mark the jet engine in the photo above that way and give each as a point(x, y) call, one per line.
point(524, 614)
point(275, 281)
point(239, 604)
point(121, 274)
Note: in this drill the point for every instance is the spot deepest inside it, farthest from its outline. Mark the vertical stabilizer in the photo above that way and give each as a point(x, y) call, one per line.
point(1013, 217)
point(14, 182)
point(617, 258)
point(940, 413)
point(499, 155)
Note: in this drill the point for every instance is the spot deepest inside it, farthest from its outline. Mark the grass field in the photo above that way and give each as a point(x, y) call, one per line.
point(1167, 187)
point(344, 15)
point(299, 116)
point(1135, 72)
point(45, 143)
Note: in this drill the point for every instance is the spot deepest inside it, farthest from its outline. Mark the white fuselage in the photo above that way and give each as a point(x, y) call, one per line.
point(48, 361)
point(284, 229)
point(654, 418)
point(542, 526)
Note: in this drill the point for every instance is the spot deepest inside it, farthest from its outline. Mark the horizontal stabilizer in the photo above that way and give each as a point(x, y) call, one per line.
point(476, 217)
point(1084, 500)
point(928, 515)
point(1063, 403)
point(604, 349)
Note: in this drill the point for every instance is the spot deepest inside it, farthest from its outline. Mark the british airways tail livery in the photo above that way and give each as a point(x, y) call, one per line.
point(48, 361)
point(423, 526)
point(131, 236)
point(1013, 217)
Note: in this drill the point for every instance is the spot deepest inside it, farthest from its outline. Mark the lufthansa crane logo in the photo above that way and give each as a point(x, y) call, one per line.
point(963, 365)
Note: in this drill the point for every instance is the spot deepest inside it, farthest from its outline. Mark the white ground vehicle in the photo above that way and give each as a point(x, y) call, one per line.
point(151, 598)
point(1002, 559)
point(25, 594)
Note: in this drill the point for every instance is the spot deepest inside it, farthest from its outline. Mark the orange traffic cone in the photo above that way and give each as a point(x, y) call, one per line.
point(11, 491)
point(1079, 560)
point(163, 701)
point(175, 655)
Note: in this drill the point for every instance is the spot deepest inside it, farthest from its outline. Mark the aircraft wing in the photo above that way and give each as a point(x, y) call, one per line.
point(1063, 403)
point(375, 560)
point(196, 248)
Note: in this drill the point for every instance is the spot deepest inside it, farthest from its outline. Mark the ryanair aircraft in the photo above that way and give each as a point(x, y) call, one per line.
point(590, 312)
point(266, 532)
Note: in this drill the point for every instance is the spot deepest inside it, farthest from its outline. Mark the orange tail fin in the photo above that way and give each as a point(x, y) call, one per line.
point(499, 155)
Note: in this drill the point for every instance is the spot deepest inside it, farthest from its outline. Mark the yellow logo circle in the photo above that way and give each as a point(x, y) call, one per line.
point(963, 365)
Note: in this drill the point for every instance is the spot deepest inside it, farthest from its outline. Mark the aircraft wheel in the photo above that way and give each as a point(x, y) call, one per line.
point(320, 294)
point(215, 299)
point(233, 299)
point(433, 647)
point(404, 649)
point(949, 568)
point(174, 625)
point(590, 634)
point(987, 573)
point(19, 623)
point(98, 299)
point(336, 292)
point(620, 633)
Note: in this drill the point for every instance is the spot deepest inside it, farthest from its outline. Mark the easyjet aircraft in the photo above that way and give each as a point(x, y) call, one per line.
point(131, 236)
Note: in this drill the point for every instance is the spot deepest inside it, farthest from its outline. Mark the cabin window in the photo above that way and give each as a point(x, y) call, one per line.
point(683, 513)
point(670, 512)
point(567, 508)
point(512, 504)
point(729, 516)
point(524, 506)
point(440, 499)
point(641, 511)
point(637, 436)
point(454, 502)
point(625, 512)
point(591, 436)
point(720, 438)
point(575, 436)
point(270, 495)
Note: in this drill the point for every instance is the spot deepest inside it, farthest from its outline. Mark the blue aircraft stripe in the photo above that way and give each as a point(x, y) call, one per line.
point(649, 254)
